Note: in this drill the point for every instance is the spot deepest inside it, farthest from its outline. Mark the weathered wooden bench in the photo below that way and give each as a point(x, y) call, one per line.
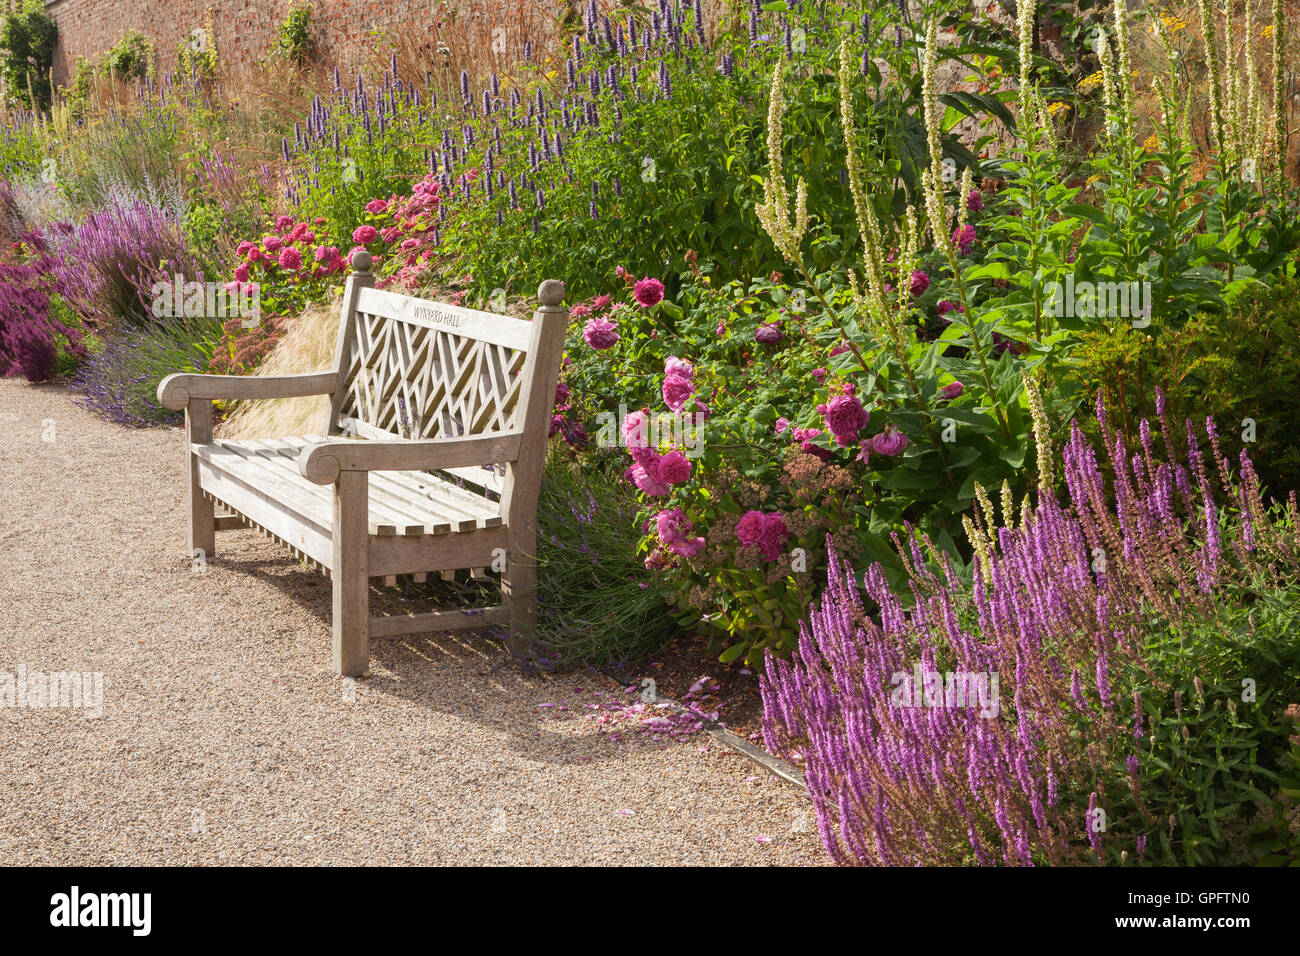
point(430, 459)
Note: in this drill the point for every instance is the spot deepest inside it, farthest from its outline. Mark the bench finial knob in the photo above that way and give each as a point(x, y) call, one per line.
point(361, 261)
point(551, 292)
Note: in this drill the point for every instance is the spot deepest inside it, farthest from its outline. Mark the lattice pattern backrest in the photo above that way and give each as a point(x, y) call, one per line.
point(420, 369)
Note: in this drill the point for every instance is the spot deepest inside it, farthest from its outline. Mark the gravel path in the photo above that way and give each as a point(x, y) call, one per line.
point(224, 738)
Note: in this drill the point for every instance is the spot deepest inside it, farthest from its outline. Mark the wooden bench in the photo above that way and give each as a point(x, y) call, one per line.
point(430, 458)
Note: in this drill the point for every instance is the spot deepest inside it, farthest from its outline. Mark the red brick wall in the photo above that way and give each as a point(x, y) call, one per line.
point(244, 28)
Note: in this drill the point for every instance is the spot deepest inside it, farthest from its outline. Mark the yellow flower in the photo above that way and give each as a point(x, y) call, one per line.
point(1151, 143)
point(1056, 106)
point(1268, 32)
point(1092, 179)
point(1173, 24)
point(1089, 83)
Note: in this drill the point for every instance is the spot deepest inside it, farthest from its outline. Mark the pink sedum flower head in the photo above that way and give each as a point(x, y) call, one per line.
point(648, 292)
point(600, 334)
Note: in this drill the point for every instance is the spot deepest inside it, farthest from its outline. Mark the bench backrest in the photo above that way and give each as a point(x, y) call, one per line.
point(409, 368)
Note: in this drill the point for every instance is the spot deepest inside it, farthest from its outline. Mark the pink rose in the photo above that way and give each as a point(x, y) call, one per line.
point(648, 292)
point(674, 468)
point(636, 429)
point(676, 366)
point(242, 272)
point(676, 391)
point(773, 537)
point(650, 484)
point(272, 243)
point(920, 282)
point(889, 442)
point(376, 206)
point(364, 235)
point(600, 334)
point(845, 417)
point(964, 238)
point(750, 528)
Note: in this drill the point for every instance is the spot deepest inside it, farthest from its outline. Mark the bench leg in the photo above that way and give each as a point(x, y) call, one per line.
point(351, 575)
point(203, 532)
point(519, 590)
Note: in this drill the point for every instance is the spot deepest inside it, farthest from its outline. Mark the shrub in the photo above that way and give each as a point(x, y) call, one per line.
point(131, 58)
point(31, 333)
point(121, 381)
point(550, 171)
point(1240, 365)
point(1098, 618)
point(294, 41)
point(27, 40)
point(112, 259)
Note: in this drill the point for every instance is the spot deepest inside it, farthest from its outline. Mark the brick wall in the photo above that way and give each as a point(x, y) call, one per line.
point(244, 28)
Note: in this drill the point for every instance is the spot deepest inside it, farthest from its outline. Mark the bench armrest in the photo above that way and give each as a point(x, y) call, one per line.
point(322, 463)
point(176, 391)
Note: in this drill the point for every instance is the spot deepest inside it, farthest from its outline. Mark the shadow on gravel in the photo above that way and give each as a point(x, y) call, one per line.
point(419, 667)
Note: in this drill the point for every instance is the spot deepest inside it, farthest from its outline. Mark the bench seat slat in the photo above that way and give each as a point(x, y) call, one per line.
point(406, 503)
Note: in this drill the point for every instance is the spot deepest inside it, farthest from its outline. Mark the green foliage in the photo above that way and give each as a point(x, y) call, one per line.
point(294, 42)
point(670, 164)
point(196, 55)
point(131, 58)
point(27, 55)
point(597, 601)
point(1219, 758)
point(1239, 366)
